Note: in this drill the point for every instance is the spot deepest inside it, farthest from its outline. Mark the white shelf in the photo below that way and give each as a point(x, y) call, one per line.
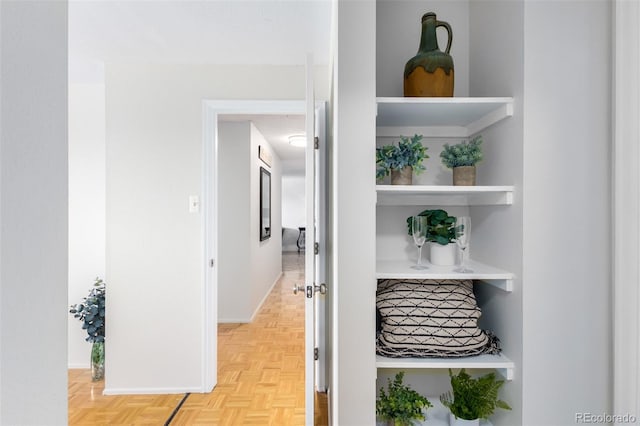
point(440, 117)
point(401, 269)
point(443, 195)
point(500, 363)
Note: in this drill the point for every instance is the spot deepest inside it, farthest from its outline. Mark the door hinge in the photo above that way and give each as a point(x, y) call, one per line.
point(316, 248)
point(212, 263)
point(316, 142)
point(316, 354)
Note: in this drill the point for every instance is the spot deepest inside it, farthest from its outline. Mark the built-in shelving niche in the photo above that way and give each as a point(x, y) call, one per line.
point(443, 117)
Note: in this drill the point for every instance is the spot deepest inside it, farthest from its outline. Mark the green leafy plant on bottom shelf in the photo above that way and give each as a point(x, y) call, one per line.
point(473, 398)
point(408, 152)
point(401, 404)
point(440, 226)
point(462, 154)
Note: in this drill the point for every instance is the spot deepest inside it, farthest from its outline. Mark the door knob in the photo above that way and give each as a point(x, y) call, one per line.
point(322, 288)
point(297, 288)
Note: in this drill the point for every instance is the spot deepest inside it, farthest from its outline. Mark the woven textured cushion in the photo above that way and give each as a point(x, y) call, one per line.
point(430, 318)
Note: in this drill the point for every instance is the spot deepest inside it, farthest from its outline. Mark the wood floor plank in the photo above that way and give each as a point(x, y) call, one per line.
point(260, 375)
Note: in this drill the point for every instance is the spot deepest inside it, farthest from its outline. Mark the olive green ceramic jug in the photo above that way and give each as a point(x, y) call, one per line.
point(430, 72)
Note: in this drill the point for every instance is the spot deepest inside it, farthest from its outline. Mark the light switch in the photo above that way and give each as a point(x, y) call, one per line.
point(194, 204)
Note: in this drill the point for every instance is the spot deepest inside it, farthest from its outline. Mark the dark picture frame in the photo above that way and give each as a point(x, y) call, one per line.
point(265, 204)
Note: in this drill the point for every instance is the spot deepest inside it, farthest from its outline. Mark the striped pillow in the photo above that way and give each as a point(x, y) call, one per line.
point(430, 318)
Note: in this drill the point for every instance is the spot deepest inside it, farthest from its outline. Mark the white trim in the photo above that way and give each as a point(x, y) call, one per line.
point(148, 391)
point(79, 365)
point(209, 298)
point(626, 235)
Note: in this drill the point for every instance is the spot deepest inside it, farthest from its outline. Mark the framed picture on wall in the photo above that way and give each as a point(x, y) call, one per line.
point(265, 204)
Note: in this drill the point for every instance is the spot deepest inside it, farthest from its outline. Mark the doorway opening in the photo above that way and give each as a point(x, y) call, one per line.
point(235, 121)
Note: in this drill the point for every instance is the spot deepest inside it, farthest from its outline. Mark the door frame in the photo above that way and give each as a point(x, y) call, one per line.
point(209, 290)
point(626, 208)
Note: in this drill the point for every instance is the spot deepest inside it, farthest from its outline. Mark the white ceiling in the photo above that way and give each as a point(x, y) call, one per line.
point(276, 129)
point(274, 32)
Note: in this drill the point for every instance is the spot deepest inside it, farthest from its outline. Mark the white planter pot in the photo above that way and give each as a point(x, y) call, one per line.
point(453, 421)
point(443, 255)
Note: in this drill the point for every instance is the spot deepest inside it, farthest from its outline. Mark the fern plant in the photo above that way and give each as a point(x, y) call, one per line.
point(440, 226)
point(408, 152)
point(473, 398)
point(462, 154)
point(401, 404)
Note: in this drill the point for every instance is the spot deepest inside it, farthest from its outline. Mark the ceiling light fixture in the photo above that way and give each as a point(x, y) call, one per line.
point(298, 140)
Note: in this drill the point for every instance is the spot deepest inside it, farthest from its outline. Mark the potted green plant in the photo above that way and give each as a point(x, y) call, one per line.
point(441, 235)
point(91, 312)
point(401, 161)
point(401, 405)
point(472, 399)
point(462, 158)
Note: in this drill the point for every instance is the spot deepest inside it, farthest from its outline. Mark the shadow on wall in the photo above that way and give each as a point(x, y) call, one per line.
point(290, 239)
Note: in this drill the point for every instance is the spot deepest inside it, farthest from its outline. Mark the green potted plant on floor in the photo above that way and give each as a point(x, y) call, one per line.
point(441, 236)
point(462, 159)
point(91, 312)
point(401, 161)
point(472, 399)
point(400, 405)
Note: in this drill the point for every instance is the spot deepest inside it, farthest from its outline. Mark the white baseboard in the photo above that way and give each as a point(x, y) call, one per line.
point(264, 298)
point(149, 391)
point(234, 320)
point(84, 365)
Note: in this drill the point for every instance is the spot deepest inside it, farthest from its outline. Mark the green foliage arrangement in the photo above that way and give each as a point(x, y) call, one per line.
point(473, 398)
point(462, 154)
point(402, 404)
point(440, 226)
point(408, 152)
point(91, 312)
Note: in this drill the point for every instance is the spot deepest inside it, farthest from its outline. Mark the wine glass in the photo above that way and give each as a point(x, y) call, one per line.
point(419, 231)
point(463, 234)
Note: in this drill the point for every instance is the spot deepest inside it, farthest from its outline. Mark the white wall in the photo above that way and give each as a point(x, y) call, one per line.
point(248, 268)
point(352, 221)
point(234, 277)
point(293, 210)
point(567, 217)
point(86, 205)
point(33, 213)
point(497, 231)
point(154, 245)
point(266, 256)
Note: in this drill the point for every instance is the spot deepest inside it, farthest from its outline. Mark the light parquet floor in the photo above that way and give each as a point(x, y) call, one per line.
point(260, 374)
point(87, 405)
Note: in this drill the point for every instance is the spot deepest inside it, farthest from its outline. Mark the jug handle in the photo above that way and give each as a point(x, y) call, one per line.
point(448, 27)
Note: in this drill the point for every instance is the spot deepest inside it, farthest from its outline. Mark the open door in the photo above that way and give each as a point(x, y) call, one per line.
point(312, 287)
point(309, 264)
